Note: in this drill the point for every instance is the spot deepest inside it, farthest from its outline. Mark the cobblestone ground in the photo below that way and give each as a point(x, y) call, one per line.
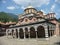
point(10, 41)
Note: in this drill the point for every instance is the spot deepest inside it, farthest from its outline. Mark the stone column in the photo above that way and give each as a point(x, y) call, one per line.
point(7, 33)
point(29, 31)
point(36, 30)
point(14, 33)
point(46, 31)
point(53, 32)
point(18, 34)
point(24, 32)
point(50, 33)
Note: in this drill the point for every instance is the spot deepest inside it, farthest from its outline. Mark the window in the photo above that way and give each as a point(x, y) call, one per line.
point(30, 17)
point(26, 20)
point(29, 10)
point(21, 20)
point(34, 19)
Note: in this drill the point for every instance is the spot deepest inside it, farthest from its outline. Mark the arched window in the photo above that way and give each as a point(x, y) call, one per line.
point(34, 19)
point(26, 29)
point(21, 20)
point(26, 20)
point(30, 18)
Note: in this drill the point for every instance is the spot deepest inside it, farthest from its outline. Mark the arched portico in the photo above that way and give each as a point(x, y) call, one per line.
point(40, 32)
point(26, 33)
point(12, 32)
point(32, 32)
point(36, 31)
point(16, 33)
point(21, 33)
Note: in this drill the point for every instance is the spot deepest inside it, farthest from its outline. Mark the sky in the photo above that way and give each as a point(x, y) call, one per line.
point(17, 6)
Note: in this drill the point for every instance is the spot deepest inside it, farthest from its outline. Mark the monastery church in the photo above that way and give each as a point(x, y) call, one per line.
point(34, 24)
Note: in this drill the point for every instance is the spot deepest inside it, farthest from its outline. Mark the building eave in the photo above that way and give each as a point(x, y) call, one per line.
point(31, 24)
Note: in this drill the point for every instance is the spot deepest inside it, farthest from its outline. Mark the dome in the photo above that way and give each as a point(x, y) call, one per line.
point(30, 9)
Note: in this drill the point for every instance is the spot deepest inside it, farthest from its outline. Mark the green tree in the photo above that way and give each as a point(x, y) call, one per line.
point(5, 17)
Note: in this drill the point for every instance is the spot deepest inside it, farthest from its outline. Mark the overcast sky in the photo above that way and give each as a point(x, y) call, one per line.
point(18, 6)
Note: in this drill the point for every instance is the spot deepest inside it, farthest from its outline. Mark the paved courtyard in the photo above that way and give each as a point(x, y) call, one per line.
point(10, 41)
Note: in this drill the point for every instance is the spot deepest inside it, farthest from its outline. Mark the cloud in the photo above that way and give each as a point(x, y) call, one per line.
point(52, 7)
point(58, 11)
point(35, 3)
point(22, 7)
point(11, 8)
point(55, 0)
point(57, 15)
point(44, 12)
point(3, 1)
point(58, 1)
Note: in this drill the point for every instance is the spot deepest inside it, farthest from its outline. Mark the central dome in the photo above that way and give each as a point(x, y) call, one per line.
point(30, 9)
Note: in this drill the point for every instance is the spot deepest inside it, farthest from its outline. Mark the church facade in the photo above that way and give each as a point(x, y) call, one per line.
point(34, 24)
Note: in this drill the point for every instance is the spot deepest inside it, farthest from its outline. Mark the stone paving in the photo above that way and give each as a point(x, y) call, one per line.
point(10, 41)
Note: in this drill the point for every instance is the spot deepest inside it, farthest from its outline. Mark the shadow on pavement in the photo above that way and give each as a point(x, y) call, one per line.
point(57, 43)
